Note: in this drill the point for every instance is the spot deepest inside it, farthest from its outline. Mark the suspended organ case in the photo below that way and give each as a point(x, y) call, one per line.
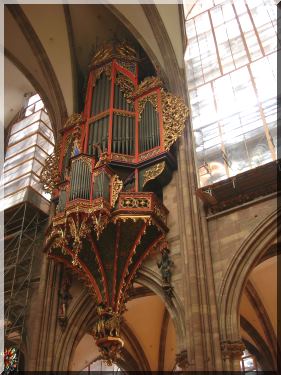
point(112, 163)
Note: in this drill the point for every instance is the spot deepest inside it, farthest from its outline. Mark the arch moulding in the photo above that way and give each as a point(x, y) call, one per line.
point(247, 257)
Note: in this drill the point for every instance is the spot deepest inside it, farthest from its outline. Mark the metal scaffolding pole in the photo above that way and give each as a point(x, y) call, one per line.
point(23, 224)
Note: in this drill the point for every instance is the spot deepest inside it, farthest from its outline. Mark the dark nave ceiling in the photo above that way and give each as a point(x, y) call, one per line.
point(54, 56)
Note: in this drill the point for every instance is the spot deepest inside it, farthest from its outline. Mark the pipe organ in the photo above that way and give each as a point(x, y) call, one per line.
point(107, 174)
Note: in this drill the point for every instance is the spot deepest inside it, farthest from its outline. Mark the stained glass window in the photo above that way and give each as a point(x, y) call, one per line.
point(231, 70)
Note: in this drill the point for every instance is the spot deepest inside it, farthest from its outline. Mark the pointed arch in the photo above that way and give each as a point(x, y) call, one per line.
point(248, 255)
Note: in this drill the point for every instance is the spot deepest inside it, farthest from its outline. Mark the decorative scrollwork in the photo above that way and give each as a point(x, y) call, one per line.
point(131, 66)
point(126, 86)
point(106, 332)
point(149, 154)
point(74, 119)
point(153, 172)
point(121, 50)
point(78, 230)
point(108, 323)
point(116, 186)
point(107, 69)
point(152, 98)
point(49, 176)
point(174, 112)
point(135, 203)
point(146, 85)
point(100, 222)
point(125, 50)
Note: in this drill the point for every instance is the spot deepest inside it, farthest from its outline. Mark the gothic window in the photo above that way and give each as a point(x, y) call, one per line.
point(30, 142)
point(231, 68)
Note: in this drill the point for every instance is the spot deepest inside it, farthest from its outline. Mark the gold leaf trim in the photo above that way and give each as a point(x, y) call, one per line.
point(174, 112)
point(149, 98)
point(74, 119)
point(126, 86)
point(121, 50)
point(117, 186)
point(147, 84)
point(98, 72)
point(49, 176)
point(153, 172)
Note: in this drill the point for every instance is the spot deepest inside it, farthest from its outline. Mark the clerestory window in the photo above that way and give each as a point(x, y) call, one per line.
point(231, 64)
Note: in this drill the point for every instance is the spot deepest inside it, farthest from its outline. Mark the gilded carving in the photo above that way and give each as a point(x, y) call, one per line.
point(116, 186)
point(100, 222)
point(97, 73)
point(130, 202)
point(78, 230)
point(121, 50)
point(174, 112)
point(125, 50)
point(126, 86)
point(85, 159)
point(49, 176)
point(106, 332)
point(74, 119)
point(126, 159)
point(153, 172)
point(131, 66)
point(152, 98)
point(121, 113)
point(149, 154)
point(147, 84)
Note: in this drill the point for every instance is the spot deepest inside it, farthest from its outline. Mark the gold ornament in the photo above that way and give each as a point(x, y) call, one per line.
point(74, 119)
point(78, 231)
point(174, 112)
point(129, 202)
point(152, 98)
point(153, 172)
point(98, 72)
point(149, 154)
point(126, 86)
point(100, 222)
point(117, 186)
point(146, 85)
point(49, 176)
point(109, 51)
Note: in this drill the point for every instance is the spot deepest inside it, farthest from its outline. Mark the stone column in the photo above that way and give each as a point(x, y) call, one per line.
point(232, 352)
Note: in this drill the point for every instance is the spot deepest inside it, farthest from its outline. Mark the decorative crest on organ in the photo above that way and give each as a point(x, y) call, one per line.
point(107, 177)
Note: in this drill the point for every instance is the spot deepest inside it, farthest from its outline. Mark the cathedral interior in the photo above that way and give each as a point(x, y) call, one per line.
point(141, 218)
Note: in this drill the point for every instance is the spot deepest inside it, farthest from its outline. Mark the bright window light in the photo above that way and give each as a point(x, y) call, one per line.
point(231, 73)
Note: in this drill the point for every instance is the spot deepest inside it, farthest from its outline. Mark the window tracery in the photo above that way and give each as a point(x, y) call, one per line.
point(231, 72)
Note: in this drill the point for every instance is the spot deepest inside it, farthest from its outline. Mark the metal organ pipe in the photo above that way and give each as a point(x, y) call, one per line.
point(118, 134)
point(114, 134)
point(90, 139)
point(151, 126)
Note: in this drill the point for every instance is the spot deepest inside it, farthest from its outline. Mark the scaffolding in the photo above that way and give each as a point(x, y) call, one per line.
point(24, 225)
